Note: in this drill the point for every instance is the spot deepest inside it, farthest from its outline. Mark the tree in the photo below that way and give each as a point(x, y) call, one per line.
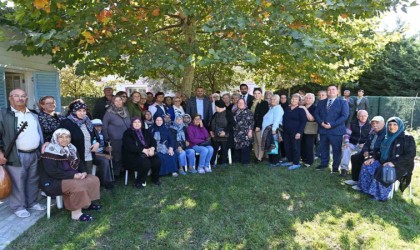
point(310, 39)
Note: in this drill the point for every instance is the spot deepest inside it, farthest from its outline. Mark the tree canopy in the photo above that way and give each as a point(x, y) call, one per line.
point(327, 41)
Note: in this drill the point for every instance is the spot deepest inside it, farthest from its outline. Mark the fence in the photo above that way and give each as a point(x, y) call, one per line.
point(407, 108)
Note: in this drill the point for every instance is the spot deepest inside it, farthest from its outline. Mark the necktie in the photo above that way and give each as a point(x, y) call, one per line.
point(329, 105)
point(243, 97)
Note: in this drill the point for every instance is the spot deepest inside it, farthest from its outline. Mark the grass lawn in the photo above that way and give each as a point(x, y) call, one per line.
point(254, 207)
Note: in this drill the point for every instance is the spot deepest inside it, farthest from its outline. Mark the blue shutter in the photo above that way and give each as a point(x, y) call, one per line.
point(47, 83)
point(3, 95)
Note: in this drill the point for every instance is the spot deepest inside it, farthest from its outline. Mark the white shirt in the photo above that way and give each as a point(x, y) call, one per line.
point(29, 139)
point(245, 97)
point(154, 107)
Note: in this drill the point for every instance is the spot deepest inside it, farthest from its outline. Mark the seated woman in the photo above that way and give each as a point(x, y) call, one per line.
point(148, 119)
point(164, 147)
point(62, 173)
point(398, 150)
point(199, 139)
point(139, 153)
point(186, 156)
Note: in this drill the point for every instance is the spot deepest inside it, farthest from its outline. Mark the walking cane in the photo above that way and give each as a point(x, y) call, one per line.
point(111, 164)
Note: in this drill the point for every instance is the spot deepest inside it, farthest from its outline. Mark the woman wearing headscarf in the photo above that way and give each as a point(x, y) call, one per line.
point(178, 109)
point(259, 108)
point(139, 153)
point(199, 139)
point(398, 150)
point(63, 173)
point(187, 120)
point(116, 121)
point(83, 135)
point(186, 156)
point(242, 132)
point(165, 147)
point(148, 119)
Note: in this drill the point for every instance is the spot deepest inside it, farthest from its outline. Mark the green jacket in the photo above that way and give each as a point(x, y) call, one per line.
point(8, 125)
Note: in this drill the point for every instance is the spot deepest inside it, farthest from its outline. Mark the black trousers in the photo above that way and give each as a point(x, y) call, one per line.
point(356, 165)
point(243, 155)
point(223, 152)
point(307, 148)
point(144, 166)
point(292, 147)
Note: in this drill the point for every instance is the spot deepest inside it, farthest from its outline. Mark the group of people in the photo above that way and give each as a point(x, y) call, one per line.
point(158, 135)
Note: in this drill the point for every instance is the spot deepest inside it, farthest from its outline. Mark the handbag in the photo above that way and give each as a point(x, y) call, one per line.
point(205, 143)
point(311, 128)
point(274, 148)
point(386, 175)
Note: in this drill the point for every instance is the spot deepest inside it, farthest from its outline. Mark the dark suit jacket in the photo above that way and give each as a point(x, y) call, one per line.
point(207, 110)
point(260, 110)
point(336, 116)
point(249, 101)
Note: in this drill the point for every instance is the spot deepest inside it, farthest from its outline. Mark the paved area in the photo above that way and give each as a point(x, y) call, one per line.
point(12, 226)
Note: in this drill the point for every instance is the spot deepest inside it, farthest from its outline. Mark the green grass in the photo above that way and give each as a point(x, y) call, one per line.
point(239, 207)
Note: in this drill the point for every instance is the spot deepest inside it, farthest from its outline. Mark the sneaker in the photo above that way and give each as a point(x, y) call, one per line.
point(38, 207)
point(174, 174)
point(192, 171)
point(351, 182)
point(306, 165)
point(356, 187)
point(343, 173)
point(293, 167)
point(320, 167)
point(286, 164)
point(284, 159)
point(201, 171)
point(22, 213)
point(207, 169)
point(335, 171)
point(182, 172)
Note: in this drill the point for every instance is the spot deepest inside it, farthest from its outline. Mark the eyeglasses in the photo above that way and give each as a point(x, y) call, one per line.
point(49, 103)
point(19, 96)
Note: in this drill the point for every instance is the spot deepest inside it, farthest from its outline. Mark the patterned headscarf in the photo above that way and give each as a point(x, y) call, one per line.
point(73, 117)
point(390, 138)
point(180, 134)
point(56, 149)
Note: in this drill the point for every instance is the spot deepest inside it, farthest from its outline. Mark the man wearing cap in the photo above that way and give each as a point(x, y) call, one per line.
point(370, 149)
point(103, 103)
point(22, 163)
point(354, 139)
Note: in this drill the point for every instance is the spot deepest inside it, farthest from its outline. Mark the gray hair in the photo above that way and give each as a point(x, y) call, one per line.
point(277, 97)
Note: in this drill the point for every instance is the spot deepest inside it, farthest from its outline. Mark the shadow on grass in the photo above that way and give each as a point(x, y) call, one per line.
point(238, 207)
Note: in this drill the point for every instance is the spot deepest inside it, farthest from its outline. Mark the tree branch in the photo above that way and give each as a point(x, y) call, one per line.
point(167, 27)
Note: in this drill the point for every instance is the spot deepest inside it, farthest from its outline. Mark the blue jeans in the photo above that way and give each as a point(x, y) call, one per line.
point(205, 152)
point(187, 155)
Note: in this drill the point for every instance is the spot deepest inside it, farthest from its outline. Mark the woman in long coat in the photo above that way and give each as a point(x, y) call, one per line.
point(242, 132)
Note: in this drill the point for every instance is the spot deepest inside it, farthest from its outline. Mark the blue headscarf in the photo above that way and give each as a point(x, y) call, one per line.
point(390, 137)
point(180, 134)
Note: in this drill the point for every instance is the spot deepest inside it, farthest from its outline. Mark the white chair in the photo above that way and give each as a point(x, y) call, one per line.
point(395, 187)
point(197, 154)
point(126, 176)
point(229, 156)
point(94, 169)
point(59, 202)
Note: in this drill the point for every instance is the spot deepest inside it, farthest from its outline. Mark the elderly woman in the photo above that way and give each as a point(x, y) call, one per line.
point(398, 150)
point(123, 96)
point(178, 109)
point(139, 153)
point(48, 118)
point(83, 135)
point(272, 121)
point(242, 132)
point(235, 99)
point(116, 121)
point(165, 147)
point(308, 140)
point(133, 105)
point(199, 140)
point(294, 121)
point(186, 156)
point(148, 119)
point(63, 173)
point(267, 96)
point(259, 108)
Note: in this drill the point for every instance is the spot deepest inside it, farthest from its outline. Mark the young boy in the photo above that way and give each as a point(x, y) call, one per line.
point(101, 159)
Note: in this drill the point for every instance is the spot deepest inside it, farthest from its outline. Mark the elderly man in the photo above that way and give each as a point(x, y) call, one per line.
point(354, 139)
point(331, 115)
point(23, 160)
point(370, 149)
point(103, 103)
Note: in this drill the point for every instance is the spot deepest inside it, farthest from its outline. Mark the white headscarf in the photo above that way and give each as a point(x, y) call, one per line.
point(56, 149)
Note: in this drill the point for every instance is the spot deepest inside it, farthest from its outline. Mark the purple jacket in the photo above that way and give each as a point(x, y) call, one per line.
point(197, 135)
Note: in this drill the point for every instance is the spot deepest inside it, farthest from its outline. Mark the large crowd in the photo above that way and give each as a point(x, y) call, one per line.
point(156, 135)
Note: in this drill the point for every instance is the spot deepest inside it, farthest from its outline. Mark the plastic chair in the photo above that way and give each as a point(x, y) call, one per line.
point(395, 187)
point(229, 156)
point(126, 176)
point(59, 201)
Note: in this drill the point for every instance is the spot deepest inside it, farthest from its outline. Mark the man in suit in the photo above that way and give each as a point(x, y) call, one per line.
point(199, 104)
point(244, 95)
point(331, 115)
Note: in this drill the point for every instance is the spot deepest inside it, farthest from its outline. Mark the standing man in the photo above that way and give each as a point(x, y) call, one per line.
point(244, 95)
point(331, 115)
point(351, 103)
point(200, 105)
point(103, 103)
point(23, 161)
point(149, 99)
point(158, 108)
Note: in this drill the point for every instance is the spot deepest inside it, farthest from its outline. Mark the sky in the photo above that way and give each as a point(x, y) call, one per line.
point(411, 18)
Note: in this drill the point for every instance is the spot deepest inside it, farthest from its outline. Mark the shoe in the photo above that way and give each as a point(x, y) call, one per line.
point(94, 207)
point(286, 164)
point(320, 167)
point(284, 159)
point(306, 165)
point(43, 194)
point(182, 172)
point(207, 170)
point(293, 167)
point(139, 185)
point(157, 183)
point(201, 171)
point(192, 171)
point(343, 173)
point(356, 187)
point(174, 174)
point(85, 217)
point(38, 207)
point(335, 171)
point(351, 182)
point(22, 213)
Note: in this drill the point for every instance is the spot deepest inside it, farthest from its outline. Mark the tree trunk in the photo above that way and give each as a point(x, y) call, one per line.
point(190, 32)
